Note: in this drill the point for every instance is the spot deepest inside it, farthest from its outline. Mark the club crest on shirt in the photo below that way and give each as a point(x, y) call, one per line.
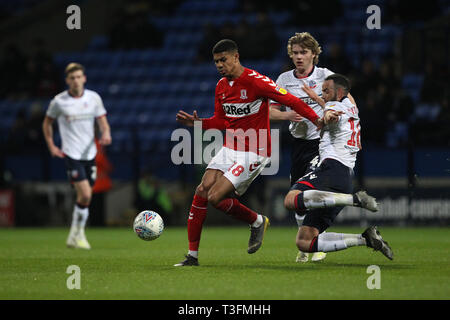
point(312, 84)
point(244, 94)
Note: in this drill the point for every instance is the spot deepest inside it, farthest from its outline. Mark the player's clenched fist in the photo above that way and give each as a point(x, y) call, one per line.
point(105, 140)
point(331, 116)
point(56, 152)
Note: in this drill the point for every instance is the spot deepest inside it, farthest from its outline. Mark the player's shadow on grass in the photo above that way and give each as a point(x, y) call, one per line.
point(384, 265)
point(296, 267)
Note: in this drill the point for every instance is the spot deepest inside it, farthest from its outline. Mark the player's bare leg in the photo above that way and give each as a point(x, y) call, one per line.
point(304, 256)
point(77, 237)
point(221, 189)
point(219, 197)
point(305, 235)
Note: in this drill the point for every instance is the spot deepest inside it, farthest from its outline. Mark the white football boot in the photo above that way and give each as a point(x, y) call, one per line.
point(81, 241)
point(318, 256)
point(71, 239)
point(302, 256)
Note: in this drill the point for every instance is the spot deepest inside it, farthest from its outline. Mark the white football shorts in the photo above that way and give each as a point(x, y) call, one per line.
point(240, 167)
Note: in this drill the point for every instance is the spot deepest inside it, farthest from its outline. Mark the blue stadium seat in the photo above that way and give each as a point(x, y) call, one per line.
point(352, 48)
point(7, 120)
point(113, 118)
point(98, 42)
point(136, 74)
point(412, 83)
point(122, 140)
point(206, 6)
point(279, 18)
point(60, 59)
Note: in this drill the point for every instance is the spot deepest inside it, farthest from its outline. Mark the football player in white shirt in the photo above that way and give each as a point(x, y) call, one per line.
point(305, 82)
point(329, 186)
point(76, 109)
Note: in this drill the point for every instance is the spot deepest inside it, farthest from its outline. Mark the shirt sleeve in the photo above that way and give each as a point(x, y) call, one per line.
point(279, 83)
point(218, 120)
point(327, 72)
point(266, 88)
point(53, 110)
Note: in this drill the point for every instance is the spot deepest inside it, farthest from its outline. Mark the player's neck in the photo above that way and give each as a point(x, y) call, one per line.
point(76, 93)
point(303, 73)
point(341, 98)
point(239, 71)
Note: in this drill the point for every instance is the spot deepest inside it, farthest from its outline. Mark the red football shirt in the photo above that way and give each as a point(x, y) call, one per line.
point(242, 109)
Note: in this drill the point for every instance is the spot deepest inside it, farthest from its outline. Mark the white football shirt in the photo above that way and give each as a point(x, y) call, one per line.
point(76, 116)
point(341, 140)
point(287, 80)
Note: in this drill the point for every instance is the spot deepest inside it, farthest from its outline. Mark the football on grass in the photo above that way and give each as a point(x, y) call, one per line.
point(148, 225)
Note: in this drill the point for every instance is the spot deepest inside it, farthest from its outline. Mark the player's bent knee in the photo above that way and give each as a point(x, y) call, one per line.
point(298, 243)
point(84, 197)
point(303, 245)
point(209, 179)
point(84, 200)
point(289, 200)
point(213, 199)
point(201, 190)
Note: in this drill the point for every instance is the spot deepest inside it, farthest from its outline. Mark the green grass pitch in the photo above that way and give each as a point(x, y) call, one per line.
point(33, 264)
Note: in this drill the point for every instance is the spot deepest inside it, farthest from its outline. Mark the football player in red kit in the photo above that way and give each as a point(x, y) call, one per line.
point(241, 109)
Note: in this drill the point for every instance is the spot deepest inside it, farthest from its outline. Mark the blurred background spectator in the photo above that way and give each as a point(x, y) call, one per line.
point(151, 194)
point(103, 184)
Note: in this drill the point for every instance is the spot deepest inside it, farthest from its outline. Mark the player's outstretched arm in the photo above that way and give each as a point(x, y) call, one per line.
point(276, 114)
point(47, 129)
point(268, 89)
point(187, 119)
point(313, 95)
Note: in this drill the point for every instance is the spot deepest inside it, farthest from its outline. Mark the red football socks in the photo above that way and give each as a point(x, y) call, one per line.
point(237, 210)
point(196, 218)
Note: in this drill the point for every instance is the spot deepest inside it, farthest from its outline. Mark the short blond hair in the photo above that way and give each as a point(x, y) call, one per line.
point(307, 41)
point(72, 67)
